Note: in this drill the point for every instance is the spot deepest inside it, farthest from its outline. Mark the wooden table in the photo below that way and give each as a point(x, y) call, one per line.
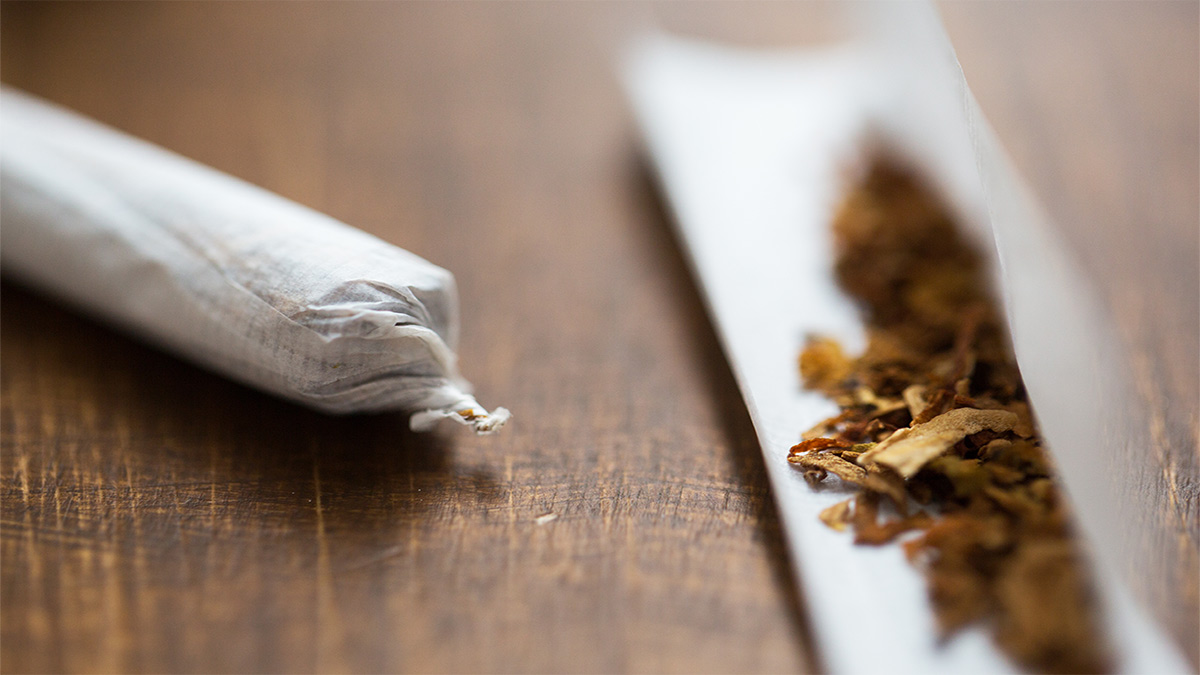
point(159, 518)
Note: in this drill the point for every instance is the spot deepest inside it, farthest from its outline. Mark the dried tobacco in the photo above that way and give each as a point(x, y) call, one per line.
point(934, 412)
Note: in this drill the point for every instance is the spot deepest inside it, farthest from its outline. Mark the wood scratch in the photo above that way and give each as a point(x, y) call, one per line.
point(141, 606)
point(40, 619)
point(386, 554)
point(1159, 441)
point(508, 482)
point(320, 510)
point(328, 625)
point(118, 639)
point(58, 511)
point(212, 492)
point(23, 471)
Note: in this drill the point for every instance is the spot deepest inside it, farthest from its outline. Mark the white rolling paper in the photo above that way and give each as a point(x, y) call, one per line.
point(750, 148)
point(233, 277)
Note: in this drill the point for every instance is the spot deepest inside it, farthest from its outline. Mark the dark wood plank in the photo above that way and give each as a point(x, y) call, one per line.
point(159, 518)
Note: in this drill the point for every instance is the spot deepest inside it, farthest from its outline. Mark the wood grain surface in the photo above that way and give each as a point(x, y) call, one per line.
point(159, 518)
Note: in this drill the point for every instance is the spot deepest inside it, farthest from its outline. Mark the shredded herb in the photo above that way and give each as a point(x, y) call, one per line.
point(934, 417)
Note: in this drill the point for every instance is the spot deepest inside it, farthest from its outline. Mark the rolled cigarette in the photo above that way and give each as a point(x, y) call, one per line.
point(228, 275)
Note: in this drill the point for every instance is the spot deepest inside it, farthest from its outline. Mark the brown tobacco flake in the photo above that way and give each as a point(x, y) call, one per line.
point(940, 402)
point(815, 444)
point(886, 482)
point(818, 464)
point(934, 411)
point(885, 533)
point(837, 516)
point(823, 363)
point(867, 529)
point(1037, 590)
point(909, 449)
point(866, 510)
point(914, 399)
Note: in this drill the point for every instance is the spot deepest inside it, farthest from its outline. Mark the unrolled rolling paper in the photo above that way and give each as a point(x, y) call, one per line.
point(226, 274)
point(750, 148)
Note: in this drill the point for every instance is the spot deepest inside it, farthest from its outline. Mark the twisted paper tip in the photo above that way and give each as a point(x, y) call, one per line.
point(471, 414)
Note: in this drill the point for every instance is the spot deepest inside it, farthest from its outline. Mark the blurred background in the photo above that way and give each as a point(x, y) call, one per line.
point(158, 518)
